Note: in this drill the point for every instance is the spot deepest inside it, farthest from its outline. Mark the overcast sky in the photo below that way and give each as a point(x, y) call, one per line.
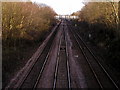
point(63, 7)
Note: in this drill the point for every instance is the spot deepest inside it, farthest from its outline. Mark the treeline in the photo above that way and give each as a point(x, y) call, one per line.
point(105, 13)
point(24, 26)
point(103, 21)
point(23, 21)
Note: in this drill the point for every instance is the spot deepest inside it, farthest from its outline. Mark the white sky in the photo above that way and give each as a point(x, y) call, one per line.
point(63, 7)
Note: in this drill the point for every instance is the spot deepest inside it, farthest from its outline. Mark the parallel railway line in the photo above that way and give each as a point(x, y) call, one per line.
point(62, 49)
point(109, 83)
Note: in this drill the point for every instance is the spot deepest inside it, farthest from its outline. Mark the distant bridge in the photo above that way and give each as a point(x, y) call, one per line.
point(66, 17)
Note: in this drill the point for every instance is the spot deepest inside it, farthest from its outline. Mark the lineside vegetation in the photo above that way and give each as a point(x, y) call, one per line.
point(24, 26)
point(103, 24)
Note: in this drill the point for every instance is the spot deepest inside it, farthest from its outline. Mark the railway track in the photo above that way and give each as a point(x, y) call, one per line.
point(62, 71)
point(101, 76)
point(31, 78)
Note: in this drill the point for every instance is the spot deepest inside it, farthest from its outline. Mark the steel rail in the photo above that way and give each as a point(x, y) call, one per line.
point(97, 60)
point(57, 64)
point(68, 66)
point(95, 75)
point(40, 73)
